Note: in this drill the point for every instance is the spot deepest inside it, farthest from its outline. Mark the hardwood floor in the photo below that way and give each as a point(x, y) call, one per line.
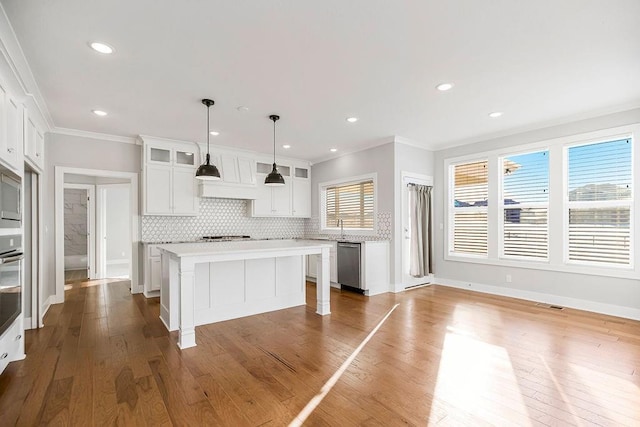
point(443, 357)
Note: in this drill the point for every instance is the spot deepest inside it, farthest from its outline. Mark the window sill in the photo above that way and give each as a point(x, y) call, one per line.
point(619, 272)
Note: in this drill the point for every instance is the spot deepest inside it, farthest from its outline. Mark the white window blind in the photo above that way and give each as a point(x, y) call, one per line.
point(353, 203)
point(470, 199)
point(600, 197)
point(525, 205)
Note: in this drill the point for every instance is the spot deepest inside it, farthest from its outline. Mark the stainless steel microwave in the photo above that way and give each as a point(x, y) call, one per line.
point(10, 199)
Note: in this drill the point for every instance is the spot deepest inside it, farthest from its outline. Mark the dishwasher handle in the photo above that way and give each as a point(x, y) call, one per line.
point(349, 245)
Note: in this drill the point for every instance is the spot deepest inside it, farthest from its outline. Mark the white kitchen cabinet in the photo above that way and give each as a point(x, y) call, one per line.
point(33, 141)
point(152, 273)
point(301, 195)
point(12, 344)
point(169, 183)
point(272, 200)
point(10, 130)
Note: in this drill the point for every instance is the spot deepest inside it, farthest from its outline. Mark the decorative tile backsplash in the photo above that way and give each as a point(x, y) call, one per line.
point(75, 222)
point(228, 217)
point(312, 229)
point(219, 217)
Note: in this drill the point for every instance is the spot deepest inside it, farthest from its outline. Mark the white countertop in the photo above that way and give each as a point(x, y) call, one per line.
point(250, 246)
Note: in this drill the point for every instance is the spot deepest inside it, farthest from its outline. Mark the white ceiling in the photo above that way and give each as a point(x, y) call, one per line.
point(317, 62)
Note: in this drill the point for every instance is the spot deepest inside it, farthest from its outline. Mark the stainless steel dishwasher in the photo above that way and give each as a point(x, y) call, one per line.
point(349, 265)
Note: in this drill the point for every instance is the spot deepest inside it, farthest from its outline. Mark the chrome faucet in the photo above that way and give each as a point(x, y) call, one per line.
point(340, 224)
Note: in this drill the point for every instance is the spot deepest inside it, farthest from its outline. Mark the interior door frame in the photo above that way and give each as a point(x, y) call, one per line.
point(34, 218)
point(132, 177)
point(420, 179)
point(91, 225)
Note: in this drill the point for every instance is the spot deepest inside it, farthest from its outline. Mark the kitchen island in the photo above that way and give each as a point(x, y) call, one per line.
point(210, 282)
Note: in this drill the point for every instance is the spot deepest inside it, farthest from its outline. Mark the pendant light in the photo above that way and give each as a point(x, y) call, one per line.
point(207, 171)
point(274, 178)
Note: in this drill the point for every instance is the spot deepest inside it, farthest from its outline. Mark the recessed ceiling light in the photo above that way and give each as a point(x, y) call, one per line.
point(99, 113)
point(352, 119)
point(214, 133)
point(333, 150)
point(444, 86)
point(495, 114)
point(101, 47)
point(286, 146)
point(243, 109)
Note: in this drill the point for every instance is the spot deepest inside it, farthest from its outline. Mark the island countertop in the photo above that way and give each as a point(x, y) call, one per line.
point(242, 246)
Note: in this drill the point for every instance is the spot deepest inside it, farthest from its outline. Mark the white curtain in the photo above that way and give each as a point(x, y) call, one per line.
point(420, 252)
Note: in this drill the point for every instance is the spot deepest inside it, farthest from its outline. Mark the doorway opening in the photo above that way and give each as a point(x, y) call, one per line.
point(96, 228)
point(408, 179)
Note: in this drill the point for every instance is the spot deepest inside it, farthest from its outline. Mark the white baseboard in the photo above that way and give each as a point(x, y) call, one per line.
point(580, 304)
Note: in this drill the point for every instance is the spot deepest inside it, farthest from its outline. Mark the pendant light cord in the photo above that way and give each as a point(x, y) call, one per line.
point(274, 142)
point(208, 129)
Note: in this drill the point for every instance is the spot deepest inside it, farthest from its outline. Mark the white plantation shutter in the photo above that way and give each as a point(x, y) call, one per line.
point(470, 199)
point(599, 202)
point(525, 205)
point(353, 203)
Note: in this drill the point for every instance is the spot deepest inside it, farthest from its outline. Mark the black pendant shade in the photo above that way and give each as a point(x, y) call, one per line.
point(274, 178)
point(207, 171)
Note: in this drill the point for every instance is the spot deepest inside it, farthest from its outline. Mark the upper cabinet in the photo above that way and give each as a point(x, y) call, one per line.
point(169, 177)
point(10, 130)
point(33, 141)
point(293, 199)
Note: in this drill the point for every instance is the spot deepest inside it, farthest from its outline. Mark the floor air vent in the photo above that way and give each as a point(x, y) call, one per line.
point(555, 307)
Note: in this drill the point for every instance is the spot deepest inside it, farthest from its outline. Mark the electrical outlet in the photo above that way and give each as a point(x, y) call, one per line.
point(508, 278)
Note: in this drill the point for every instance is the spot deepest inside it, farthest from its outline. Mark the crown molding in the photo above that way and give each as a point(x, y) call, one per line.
point(95, 135)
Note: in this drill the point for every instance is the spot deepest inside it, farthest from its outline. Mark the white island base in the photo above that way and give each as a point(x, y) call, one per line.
point(210, 282)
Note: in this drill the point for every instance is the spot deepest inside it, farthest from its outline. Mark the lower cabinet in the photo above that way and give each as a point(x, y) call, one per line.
point(12, 344)
point(152, 271)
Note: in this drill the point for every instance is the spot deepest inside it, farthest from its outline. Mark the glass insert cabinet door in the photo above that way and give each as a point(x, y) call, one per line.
point(186, 158)
point(160, 155)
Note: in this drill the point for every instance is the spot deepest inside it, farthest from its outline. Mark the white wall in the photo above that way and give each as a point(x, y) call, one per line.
point(77, 152)
point(597, 293)
point(118, 242)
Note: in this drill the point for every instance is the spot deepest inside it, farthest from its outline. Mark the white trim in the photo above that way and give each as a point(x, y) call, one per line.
point(117, 261)
point(59, 223)
point(94, 135)
point(575, 303)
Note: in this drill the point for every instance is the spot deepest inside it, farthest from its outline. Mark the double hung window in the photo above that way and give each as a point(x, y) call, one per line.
point(525, 205)
point(599, 201)
point(470, 201)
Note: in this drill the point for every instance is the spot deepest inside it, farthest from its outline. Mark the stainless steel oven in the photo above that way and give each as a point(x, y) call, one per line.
point(11, 256)
point(10, 199)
